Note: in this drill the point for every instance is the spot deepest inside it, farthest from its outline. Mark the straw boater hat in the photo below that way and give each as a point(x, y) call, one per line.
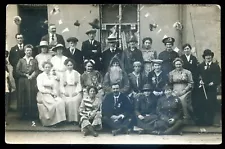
point(147, 87)
point(73, 39)
point(57, 47)
point(91, 31)
point(207, 52)
point(112, 38)
point(157, 61)
point(43, 44)
point(168, 40)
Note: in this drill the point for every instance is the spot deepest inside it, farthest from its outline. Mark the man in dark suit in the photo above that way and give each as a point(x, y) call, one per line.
point(116, 110)
point(75, 54)
point(108, 54)
point(191, 64)
point(52, 37)
point(91, 49)
point(210, 78)
point(168, 55)
point(16, 53)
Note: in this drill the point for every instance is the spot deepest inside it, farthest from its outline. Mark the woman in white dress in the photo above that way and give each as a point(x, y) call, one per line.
point(58, 60)
point(44, 55)
point(50, 106)
point(71, 91)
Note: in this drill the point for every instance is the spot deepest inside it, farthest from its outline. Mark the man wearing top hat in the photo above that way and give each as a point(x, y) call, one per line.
point(168, 55)
point(75, 54)
point(108, 54)
point(209, 79)
point(131, 54)
point(91, 49)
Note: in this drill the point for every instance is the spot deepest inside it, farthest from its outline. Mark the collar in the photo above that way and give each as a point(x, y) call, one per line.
point(50, 34)
point(20, 45)
point(187, 55)
point(28, 58)
point(116, 96)
point(136, 74)
point(208, 63)
point(111, 49)
point(147, 50)
point(132, 50)
point(71, 48)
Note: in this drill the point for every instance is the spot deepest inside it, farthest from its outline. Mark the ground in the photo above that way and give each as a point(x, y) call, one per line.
point(22, 137)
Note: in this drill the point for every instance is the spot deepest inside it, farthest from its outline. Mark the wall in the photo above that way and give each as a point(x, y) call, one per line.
point(163, 15)
point(206, 24)
point(11, 27)
point(69, 14)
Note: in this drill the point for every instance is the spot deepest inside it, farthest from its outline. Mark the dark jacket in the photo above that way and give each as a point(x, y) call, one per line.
point(107, 55)
point(123, 106)
point(191, 65)
point(129, 57)
point(60, 39)
point(159, 82)
point(133, 82)
point(86, 50)
point(77, 57)
point(168, 58)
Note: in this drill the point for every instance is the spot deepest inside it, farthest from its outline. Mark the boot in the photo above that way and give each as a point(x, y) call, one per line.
point(115, 132)
point(86, 131)
point(173, 128)
point(91, 129)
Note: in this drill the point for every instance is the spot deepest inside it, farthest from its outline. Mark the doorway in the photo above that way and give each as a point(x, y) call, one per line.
point(33, 25)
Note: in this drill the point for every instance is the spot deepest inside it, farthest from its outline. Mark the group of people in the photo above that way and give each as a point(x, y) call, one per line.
point(118, 89)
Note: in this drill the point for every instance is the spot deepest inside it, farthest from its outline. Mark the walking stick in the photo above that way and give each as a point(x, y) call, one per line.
point(203, 86)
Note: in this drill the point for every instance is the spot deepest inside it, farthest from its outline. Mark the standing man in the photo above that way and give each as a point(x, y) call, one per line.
point(131, 54)
point(168, 55)
point(116, 109)
point(75, 54)
point(108, 54)
point(91, 49)
point(15, 54)
point(53, 38)
point(210, 78)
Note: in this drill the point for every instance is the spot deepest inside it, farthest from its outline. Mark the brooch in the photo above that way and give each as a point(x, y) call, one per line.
point(190, 61)
point(119, 105)
point(205, 67)
point(176, 100)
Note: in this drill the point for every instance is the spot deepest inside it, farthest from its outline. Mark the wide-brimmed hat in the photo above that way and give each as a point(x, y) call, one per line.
point(168, 40)
point(133, 39)
point(147, 87)
point(91, 31)
point(207, 52)
point(57, 47)
point(43, 44)
point(73, 39)
point(112, 38)
point(157, 61)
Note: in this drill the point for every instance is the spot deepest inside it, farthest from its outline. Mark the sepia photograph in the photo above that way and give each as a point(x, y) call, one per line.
point(113, 74)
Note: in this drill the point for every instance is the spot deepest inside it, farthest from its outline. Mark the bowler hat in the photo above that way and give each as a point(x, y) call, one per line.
point(147, 87)
point(168, 40)
point(207, 52)
point(73, 39)
point(91, 31)
point(133, 39)
point(43, 44)
point(57, 47)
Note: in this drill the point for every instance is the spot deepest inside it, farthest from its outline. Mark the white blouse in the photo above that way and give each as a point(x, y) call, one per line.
point(41, 58)
point(58, 63)
point(45, 83)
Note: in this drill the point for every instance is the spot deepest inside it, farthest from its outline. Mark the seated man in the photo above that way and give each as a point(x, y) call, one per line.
point(116, 109)
point(170, 113)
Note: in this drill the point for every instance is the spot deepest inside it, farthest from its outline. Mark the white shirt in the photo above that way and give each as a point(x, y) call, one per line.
point(58, 63)
point(188, 57)
point(41, 58)
point(137, 77)
point(52, 42)
point(28, 59)
point(45, 82)
point(113, 49)
point(72, 49)
point(20, 46)
point(91, 41)
point(208, 63)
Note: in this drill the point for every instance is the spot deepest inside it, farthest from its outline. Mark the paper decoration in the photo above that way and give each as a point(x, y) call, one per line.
point(152, 26)
point(113, 29)
point(164, 36)
point(46, 22)
point(55, 10)
point(17, 20)
point(178, 25)
point(65, 30)
point(33, 124)
point(176, 49)
point(142, 7)
point(147, 14)
point(60, 22)
point(159, 31)
point(76, 23)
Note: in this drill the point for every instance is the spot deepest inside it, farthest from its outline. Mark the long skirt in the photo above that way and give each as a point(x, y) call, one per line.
point(185, 100)
point(27, 104)
point(72, 104)
point(148, 123)
point(96, 121)
point(51, 110)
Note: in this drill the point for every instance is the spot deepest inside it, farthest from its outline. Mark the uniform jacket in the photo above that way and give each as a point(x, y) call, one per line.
point(123, 106)
point(86, 50)
point(77, 57)
point(159, 82)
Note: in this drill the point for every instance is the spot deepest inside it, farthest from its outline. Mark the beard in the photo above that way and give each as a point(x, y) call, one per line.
point(115, 74)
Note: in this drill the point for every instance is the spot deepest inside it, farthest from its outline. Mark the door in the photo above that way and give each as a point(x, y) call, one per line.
point(33, 25)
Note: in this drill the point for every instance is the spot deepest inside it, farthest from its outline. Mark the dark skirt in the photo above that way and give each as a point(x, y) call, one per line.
point(27, 104)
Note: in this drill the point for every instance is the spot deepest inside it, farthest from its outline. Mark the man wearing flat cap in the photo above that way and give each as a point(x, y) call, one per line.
point(168, 55)
point(131, 54)
point(108, 54)
point(209, 79)
point(75, 54)
point(91, 49)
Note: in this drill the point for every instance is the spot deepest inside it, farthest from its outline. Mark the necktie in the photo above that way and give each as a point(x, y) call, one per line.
point(208, 65)
point(52, 37)
point(20, 47)
point(72, 51)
